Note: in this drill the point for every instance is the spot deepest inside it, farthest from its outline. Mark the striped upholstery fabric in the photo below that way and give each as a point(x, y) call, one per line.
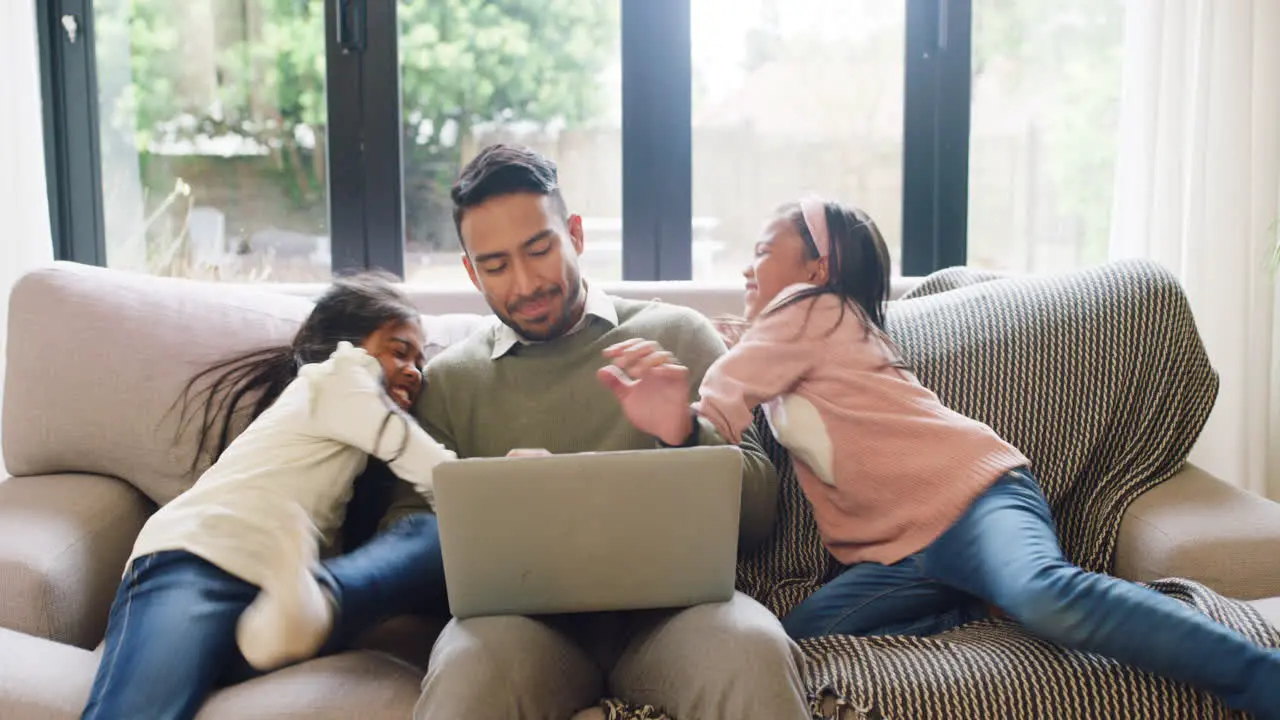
point(1100, 377)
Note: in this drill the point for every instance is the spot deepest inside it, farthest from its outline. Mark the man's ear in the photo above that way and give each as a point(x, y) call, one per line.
point(575, 233)
point(471, 271)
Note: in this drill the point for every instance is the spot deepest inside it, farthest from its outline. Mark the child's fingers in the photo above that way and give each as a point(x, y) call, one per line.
point(671, 370)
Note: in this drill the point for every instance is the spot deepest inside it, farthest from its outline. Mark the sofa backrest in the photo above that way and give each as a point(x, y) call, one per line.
point(710, 299)
point(97, 360)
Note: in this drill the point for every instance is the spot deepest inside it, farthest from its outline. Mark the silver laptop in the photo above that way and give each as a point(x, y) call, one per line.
point(588, 532)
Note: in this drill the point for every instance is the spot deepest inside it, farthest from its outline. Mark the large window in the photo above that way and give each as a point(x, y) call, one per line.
point(212, 138)
point(791, 97)
point(1046, 101)
point(284, 140)
point(472, 74)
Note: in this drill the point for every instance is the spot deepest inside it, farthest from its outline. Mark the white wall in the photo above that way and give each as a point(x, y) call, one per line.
point(24, 213)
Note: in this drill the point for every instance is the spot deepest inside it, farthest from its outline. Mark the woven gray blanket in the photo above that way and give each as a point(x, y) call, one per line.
point(1100, 378)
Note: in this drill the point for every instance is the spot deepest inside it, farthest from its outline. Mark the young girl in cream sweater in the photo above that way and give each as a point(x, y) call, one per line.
point(225, 574)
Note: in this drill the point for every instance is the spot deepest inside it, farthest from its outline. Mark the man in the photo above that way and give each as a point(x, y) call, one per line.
point(539, 380)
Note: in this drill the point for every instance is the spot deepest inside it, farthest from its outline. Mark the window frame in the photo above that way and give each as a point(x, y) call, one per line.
point(935, 135)
point(361, 175)
point(366, 169)
point(365, 156)
point(68, 75)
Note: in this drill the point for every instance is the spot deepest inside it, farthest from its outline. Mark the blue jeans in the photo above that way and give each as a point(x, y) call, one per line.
point(1004, 550)
point(171, 636)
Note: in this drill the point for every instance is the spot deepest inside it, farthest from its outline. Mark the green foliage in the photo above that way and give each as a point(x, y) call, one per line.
point(468, 62)
point(463, 63)
point(1064, 57)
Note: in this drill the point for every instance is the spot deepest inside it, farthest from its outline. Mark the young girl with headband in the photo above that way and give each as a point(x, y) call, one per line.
point(930, 512)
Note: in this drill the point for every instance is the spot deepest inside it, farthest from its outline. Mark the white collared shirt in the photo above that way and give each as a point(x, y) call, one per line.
point(598, 305)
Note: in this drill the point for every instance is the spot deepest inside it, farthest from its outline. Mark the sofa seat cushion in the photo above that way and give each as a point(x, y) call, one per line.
point(41, 679)
point(408, 638)
point(45, 680)
point(1269, 609)
point(360, 684)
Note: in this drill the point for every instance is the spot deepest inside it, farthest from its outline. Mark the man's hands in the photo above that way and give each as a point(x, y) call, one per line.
point(652, 387)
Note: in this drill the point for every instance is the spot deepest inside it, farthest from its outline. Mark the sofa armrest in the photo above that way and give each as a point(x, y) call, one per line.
point(1198, 527)
point(64, 540)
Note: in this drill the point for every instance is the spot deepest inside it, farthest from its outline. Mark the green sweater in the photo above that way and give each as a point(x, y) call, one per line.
point(546, 395)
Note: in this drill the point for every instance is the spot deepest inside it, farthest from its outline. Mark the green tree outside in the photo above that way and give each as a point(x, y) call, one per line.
point(464, 63)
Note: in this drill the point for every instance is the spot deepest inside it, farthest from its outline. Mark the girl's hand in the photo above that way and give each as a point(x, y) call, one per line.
point(652, 387)
point(349, 371)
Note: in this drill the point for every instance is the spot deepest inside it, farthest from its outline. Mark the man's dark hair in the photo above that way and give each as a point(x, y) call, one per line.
point(503, 169)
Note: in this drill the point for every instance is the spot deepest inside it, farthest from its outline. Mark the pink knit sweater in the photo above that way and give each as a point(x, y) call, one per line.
point(887, 467)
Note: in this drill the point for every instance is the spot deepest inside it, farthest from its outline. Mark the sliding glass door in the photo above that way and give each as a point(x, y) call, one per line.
point(285, 140)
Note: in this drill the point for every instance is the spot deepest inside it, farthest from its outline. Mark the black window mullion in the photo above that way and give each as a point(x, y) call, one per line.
point(382, 137)
point(955, 80)
point(343, 88)
point(366, 199)
point(70, 97)
point(935, 159)
point(657, 140)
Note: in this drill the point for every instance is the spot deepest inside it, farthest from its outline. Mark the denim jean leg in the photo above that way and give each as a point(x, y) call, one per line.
point(874, 599)
point(170, 639)
point(398, 572)
point(1005, 549)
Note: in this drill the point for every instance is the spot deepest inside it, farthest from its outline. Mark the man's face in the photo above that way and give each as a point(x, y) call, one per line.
point(523, 256)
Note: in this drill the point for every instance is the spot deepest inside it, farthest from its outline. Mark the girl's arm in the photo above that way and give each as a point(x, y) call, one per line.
point(348, 404)
point(770, 359)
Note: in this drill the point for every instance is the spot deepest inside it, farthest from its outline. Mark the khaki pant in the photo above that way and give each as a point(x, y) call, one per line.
point(723, 661)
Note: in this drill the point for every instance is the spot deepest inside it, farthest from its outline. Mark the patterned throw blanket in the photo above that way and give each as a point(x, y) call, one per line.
point(1100, 377)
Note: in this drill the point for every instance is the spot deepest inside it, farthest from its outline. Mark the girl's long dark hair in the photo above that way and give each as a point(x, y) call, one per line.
point(242, 387)
point(858, 267)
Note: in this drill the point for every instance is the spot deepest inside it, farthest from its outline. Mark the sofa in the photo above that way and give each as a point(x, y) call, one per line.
point(96, 359)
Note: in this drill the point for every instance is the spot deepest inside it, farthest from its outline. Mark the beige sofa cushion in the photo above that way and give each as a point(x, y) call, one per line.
point(63, 544)
point(1198, 527)
point(1269, 608)
point(341, 687)
point(44, 680)
point(97, 359)
point(41, 679)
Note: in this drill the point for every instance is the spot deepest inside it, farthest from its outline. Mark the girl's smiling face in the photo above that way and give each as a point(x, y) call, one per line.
point(397, 346)
point(782, 258)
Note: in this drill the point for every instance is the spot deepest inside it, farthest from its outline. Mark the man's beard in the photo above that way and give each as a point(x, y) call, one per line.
point(561, 325)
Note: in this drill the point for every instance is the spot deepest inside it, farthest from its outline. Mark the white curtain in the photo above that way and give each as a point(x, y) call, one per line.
point(1198, 189)
point(24, 213)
